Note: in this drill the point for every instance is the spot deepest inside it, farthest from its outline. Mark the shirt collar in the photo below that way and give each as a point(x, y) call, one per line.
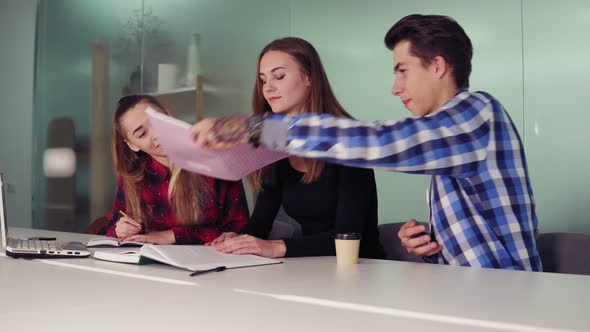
point(449, 102)
point(158, 169)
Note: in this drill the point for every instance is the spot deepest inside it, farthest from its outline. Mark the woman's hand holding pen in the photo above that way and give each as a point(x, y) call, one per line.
point(126, 227)
point(129, 229)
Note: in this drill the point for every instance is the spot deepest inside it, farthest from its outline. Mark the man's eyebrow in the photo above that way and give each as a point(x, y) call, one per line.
point(396, 68)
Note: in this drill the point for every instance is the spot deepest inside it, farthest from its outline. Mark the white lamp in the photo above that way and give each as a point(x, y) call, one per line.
point(59, 162)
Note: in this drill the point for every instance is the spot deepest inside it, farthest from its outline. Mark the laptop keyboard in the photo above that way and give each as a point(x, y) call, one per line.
point(35, 244)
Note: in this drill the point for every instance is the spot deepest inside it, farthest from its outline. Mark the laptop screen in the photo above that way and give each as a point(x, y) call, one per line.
point(3, 227)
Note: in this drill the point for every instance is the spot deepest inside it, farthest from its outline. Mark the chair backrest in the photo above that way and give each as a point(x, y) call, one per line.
point(392, 244)
point(59, 167)
point(565, 252)
point(98, 226)
point(284, 227)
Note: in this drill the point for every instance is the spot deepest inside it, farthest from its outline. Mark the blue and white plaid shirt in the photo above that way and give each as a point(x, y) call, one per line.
point(481, 201)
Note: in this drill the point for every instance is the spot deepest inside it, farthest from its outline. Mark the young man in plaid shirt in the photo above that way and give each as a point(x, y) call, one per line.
point(482, 211)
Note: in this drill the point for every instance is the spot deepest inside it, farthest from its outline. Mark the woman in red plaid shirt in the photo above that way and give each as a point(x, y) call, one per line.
point(163, 204)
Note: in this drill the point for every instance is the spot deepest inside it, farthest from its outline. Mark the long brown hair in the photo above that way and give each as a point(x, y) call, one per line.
point(186, 192)
point(321, 98)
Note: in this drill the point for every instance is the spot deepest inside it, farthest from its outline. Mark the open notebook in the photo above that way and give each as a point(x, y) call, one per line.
point(231, 164)
point(188, 257)
point(106, 242)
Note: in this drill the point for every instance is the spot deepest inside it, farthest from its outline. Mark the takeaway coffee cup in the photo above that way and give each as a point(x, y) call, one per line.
point(347, 247)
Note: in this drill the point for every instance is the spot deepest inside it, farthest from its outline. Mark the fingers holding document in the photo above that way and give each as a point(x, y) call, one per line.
point(222, 132)
point(201, 131)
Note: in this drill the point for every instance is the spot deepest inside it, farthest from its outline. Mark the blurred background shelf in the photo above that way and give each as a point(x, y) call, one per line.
point(184, 89)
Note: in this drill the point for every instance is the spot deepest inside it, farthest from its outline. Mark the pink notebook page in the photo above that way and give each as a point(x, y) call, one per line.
point(231, 164)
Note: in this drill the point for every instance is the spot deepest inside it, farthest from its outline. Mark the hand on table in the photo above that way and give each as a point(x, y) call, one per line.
point(248, 244)
point(221, 238)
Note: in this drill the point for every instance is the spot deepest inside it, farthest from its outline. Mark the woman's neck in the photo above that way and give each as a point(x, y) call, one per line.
point(162, 160)
point(298, 163)
point(297, 111)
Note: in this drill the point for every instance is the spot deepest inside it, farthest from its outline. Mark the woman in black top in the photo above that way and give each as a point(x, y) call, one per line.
point(324, 198)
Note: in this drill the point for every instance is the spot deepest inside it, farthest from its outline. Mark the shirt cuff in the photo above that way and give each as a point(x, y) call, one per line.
point(275, 131)
point(179, 235)
point(433, 259)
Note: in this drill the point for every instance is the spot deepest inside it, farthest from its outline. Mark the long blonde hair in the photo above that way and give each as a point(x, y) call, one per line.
point(187, 191)
point(321, 98)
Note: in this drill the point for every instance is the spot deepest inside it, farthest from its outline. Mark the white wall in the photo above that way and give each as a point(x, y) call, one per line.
point(17, 64)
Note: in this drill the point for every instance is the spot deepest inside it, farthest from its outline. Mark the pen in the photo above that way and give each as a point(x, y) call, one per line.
point(215, 269)
point(125, 215)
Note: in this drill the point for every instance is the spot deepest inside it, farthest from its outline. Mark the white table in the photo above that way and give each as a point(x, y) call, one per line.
point(303, 294)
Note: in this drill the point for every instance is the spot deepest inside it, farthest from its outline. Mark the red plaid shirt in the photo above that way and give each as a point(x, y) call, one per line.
point(225, 210)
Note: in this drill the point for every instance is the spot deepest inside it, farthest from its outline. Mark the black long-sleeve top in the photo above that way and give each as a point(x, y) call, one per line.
point(343, 199)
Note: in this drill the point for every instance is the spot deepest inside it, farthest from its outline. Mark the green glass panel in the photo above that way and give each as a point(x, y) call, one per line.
point(349, 37)
point(231, 35)
point(557, 81)
point(548, 38)
point(66, 31)
point(140, 35)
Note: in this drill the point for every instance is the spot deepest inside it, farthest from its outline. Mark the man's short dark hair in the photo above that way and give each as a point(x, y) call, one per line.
point(434, 35)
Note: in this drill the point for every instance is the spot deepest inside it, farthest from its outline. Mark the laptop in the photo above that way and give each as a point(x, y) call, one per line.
point(35, 247)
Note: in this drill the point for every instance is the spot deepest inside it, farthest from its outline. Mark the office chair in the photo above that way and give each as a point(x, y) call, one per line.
point(284, 227)
point(59, 167)
point(565, 252)
point(392, 244)
point(98, 226)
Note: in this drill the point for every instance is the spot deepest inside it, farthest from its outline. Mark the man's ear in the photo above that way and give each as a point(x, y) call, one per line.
point(132, 146)
point(440, 66)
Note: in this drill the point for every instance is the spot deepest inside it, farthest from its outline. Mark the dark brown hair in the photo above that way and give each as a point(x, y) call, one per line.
point(435, 35)
point(186, 192)
point(321, 98)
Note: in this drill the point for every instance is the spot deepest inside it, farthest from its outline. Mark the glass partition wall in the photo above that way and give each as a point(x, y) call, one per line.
point(198, 57)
